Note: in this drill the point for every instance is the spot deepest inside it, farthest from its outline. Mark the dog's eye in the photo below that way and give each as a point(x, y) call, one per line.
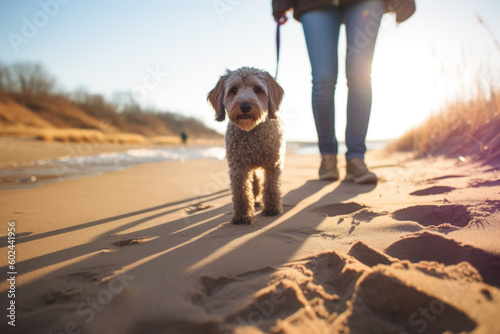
point(234, 90)
point(257, 90)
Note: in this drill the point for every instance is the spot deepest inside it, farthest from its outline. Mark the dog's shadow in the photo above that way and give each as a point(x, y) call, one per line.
point(342, 192)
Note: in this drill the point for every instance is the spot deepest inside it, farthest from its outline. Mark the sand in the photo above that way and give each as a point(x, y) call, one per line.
point(150, 250)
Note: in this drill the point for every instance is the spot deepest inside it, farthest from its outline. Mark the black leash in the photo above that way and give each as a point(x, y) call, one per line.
point(280, 22)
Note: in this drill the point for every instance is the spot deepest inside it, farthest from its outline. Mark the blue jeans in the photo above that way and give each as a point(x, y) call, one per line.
point(321, 30)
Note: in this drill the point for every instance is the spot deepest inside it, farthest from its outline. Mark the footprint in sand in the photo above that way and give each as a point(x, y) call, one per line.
point(197, 208)
point(433, 247)
point(248, 298)
point(392, 297)
point(367, 255)
point(133, 241)
point(361, 213)
point(367, 216)
point(339, 209)
point(77, 283)
point(434, 215)
point(366, 289)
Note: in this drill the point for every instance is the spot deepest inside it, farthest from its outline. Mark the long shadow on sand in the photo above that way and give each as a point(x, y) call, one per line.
point(181, 238)
point(70, 253)
point(197, 199)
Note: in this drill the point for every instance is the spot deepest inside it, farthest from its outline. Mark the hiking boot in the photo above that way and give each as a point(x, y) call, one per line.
point(358, 172)
point(328, 169)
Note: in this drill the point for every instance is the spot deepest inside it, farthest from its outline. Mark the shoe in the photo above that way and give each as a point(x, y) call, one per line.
point(358, 172)
point(328, 169)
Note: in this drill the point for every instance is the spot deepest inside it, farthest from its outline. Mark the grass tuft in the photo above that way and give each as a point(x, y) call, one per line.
point(467, 129)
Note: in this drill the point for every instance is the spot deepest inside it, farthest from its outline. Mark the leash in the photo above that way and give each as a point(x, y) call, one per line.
point(280, 22)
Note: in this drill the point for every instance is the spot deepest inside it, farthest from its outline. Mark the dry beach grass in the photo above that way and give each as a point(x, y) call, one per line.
point(463, 128)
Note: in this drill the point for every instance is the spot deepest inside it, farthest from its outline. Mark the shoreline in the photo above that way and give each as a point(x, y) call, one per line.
point(28, 163)
point(18, 151)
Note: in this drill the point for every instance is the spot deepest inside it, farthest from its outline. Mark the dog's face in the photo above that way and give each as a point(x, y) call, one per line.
point(249, 95)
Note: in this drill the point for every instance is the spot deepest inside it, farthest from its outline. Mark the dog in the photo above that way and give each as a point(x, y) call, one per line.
point(255, 147)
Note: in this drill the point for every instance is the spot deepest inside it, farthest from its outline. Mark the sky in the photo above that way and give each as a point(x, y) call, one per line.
point(169, 54)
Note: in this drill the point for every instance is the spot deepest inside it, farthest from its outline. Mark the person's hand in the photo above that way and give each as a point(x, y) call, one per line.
point(280, 18)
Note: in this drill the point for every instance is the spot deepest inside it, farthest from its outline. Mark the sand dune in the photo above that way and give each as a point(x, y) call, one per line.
point(54, 117)
point(150, 250)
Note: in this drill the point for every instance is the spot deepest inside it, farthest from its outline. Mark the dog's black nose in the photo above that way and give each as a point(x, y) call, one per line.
point(245, 107)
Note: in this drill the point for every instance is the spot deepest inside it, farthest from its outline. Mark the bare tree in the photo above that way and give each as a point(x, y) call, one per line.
point(6, 80)
point(32, 78)
point(125, 103)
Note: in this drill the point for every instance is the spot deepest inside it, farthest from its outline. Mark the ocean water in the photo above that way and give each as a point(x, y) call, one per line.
point(42, 172)
point(140, 156)
point(70, 167)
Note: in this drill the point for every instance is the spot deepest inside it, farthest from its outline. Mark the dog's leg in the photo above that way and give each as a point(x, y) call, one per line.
point(243, 201)
point(257, 188)
point(272, 196)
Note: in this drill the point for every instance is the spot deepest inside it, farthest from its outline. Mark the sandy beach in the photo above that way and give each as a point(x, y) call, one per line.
point(149, 249)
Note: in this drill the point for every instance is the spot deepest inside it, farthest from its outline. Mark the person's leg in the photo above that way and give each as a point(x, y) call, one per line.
point(362, 21)
point(321, 30)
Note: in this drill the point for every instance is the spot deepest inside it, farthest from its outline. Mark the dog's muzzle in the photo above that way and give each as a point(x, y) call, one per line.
point(245, 108)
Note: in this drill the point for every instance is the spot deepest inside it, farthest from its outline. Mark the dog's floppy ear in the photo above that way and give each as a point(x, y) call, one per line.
point(275, 93)
point(216, 98)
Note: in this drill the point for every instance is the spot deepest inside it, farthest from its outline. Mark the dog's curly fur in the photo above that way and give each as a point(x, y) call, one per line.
point(254, 139)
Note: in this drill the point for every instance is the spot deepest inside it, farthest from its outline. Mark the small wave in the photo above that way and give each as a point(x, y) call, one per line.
point(139, 156)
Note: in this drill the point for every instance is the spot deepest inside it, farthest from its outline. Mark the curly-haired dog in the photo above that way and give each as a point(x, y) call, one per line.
point(254, 139)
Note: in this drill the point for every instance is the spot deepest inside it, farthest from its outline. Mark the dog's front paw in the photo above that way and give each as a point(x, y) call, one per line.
point(272, 212)
point(243, 220)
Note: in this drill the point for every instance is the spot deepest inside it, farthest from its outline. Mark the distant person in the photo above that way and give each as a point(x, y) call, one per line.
point(184, 137)
point(321, 21)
